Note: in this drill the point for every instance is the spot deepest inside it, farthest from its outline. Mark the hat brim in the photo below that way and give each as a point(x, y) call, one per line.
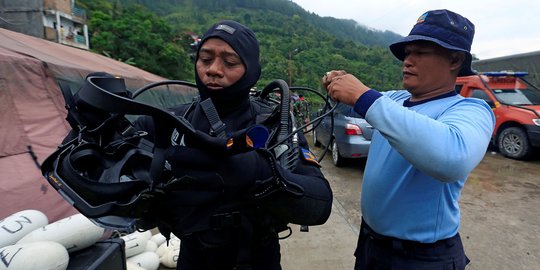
point(398, 49)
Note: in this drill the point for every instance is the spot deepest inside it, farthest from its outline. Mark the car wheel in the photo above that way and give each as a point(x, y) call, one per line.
point(513, 143)
point(337, 159)
point(315, 141)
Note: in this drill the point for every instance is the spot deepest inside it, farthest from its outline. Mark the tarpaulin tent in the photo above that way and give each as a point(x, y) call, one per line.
point(32, 113)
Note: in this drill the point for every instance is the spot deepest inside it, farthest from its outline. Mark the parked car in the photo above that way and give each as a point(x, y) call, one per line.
point(516, 105)
point(350, 136)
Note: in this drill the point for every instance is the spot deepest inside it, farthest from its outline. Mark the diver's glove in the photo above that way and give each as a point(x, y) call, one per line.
point(233, 175)
point(268, 186)
point(202, 182)
point(254, 174)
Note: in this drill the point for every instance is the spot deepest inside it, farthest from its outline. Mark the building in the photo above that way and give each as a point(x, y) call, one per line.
point(529, 62)
point(54, 20)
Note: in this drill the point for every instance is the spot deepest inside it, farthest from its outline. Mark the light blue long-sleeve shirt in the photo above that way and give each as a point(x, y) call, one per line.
point(419, 159)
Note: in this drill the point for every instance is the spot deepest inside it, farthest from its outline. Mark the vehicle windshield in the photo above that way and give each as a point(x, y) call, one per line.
point(526, 96)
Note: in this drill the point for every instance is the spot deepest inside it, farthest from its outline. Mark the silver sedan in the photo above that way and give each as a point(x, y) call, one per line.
point(350, 136)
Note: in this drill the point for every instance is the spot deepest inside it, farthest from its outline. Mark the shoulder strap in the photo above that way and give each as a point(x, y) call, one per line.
point(217, 127)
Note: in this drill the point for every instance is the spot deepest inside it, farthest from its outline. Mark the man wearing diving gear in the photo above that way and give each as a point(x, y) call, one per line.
point(214, 210)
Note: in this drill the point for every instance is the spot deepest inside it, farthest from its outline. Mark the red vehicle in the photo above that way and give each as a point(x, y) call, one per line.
point(516, 104)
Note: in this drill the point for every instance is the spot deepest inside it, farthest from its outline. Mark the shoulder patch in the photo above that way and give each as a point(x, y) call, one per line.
point(309, 156)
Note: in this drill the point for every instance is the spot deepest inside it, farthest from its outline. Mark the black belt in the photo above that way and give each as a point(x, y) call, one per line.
point(400, 244)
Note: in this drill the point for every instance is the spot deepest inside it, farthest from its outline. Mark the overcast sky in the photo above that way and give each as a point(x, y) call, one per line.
point(503, 27)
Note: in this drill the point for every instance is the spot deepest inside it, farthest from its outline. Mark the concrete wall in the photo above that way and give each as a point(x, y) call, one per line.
point(60, 5)
point(24, 16)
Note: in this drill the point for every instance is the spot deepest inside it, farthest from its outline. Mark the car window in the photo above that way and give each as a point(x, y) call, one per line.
point(517, 96)
point(533, 96)
point(478, 93)
point(347, 110)
point(458, 88)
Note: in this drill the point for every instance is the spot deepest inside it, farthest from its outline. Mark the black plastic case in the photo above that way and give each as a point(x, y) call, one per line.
point(103, 255)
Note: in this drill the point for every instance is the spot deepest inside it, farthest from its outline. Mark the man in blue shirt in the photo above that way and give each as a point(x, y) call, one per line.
point(427, 141)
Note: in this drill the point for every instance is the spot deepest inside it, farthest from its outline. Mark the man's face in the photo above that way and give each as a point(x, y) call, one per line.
point(218, 65)
point(427, 70)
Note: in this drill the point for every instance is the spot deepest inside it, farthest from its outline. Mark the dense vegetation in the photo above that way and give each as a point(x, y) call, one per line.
point(296, 46)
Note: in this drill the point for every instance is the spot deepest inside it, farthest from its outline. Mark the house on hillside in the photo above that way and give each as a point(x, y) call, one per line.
point(54, 20)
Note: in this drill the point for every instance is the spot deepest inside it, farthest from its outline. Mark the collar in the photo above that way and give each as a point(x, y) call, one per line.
point(408, 103)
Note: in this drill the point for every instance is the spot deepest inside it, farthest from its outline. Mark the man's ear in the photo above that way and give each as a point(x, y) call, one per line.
point(456, 60)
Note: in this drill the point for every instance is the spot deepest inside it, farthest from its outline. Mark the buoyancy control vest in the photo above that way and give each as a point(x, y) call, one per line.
point(252, 113)
point(105, 168)
point(237, 221)
point(121, 181)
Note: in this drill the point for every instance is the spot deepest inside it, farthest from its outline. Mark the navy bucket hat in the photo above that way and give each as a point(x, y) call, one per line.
point(445, 28)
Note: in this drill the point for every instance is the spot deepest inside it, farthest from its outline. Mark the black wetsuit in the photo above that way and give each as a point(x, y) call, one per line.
point(220, 224)
point(222, 246)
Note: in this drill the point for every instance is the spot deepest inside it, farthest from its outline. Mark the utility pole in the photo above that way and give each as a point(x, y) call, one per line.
point(289, 64)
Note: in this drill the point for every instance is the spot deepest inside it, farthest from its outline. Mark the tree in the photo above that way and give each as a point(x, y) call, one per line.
point(154, 37)
point(137, 34)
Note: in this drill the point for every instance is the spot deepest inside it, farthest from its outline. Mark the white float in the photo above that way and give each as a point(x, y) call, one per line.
point(46, 255)
point(132, 266)
point(174, 243)
point(75, 233)
point(135, 243)
point(151, 246)
point(16, 226)
point(158, 238)
point(147, 260)
point(170, 257)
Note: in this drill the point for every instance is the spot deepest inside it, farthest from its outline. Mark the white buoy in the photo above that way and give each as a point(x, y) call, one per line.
point(158, 238)
point(132, 266)
point(45, 255)
point(170, 257)
point(147, 260)
point(75, 232)
point(151, 246)
point(135, 243)
point(174, 243)
point(16, 226)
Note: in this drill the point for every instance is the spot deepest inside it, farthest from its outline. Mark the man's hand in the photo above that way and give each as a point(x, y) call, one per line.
point(233, 175)
point(343, 87)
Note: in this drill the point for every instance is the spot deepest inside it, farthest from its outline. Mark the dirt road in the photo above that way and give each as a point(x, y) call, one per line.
point(500, 208)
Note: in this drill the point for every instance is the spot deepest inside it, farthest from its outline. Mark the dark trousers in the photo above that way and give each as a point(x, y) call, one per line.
point(262, 257)
point(378, 252)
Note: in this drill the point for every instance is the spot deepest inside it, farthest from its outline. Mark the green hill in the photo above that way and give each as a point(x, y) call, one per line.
point(296, 46)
